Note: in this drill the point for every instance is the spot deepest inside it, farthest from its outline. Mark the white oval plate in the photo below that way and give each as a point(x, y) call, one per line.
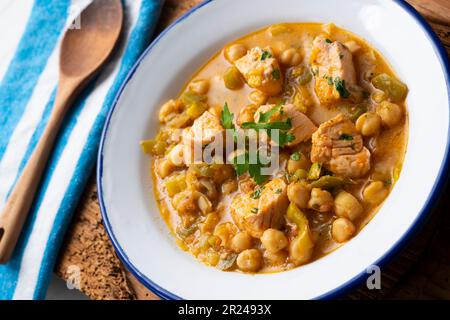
point(130, 213)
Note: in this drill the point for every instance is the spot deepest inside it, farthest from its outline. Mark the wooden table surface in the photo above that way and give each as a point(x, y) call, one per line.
point(420, 271)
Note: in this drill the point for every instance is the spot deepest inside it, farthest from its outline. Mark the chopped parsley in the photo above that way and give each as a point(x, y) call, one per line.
point(257, 193)
point(328, 41)
point(278, 191)
point(330, 81)
point(254, 210)
point(315, 71)
point(295, 156)
point(290, 137)
point(345, 137)
point(276, 74)
point(388, 182)
point(265, 55)
point(340, 87)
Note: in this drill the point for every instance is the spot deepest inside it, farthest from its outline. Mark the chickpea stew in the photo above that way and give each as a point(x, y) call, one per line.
point(342, 135)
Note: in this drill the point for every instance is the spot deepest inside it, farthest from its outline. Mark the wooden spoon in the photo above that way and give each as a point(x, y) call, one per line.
point(83, 52)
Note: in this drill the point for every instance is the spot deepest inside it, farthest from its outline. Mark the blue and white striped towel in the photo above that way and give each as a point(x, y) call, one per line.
point(30, 33)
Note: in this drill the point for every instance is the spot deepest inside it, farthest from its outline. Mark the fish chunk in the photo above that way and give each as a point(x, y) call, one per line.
point(339, 146)
point(332, 63)
point(302, 126)
point(257, 215)
point(351, 165)
point(261, 70)
point(204, 130)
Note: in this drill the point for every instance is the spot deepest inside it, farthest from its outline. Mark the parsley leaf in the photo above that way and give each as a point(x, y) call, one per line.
point(280, 125)
point(265, 55)
point(330, 81)
point(242, 165)
point(284, 138)
point(254, 170)
point(241, 162)
point(254, 210)
point(265, 116)
point(227, 117)
point(328, 41)
point(278, 191)
point(340, 87)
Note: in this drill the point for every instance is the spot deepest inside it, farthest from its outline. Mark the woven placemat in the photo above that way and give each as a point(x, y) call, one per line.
point(420, 271)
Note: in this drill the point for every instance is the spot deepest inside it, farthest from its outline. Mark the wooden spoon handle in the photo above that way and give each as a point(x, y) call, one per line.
point(20, 199)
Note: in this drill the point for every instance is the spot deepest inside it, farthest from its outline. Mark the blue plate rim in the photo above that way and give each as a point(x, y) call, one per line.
point(415, 226)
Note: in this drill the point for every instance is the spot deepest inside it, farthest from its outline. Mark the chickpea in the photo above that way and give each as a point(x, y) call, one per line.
point(299, 194)
point(275, 258)
point(375, 192)
point(207, 187)
point(342, 230)
point(235, 52)
point(301, 248)
point(249, 260)
point(369, 124)
point(347, 206)
point(390, 113)
point(247, 114)
point(200, 87)
point(298, 161)
point(279, 47)
point(176, 155)
point(241, 241)
point(258, 97)
point(185, 202)
point(321, 200)
point(379, 96)
point(204, 204)
point(274, 240)
point(291, 57)
point(165, 168)
point(171, 106)
point(229, 186)
point(212, 258)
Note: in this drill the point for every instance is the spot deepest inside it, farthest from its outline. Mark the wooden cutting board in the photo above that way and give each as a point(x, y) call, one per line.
point(421, 270)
